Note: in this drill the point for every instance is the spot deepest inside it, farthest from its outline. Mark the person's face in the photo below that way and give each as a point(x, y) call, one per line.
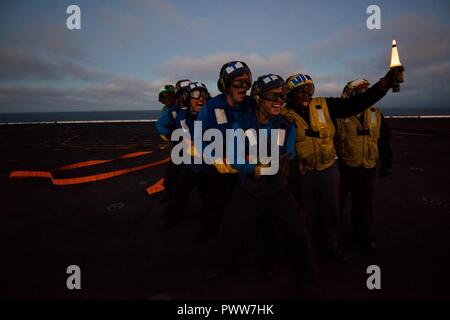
point(361, 88)
point(239, 87)
point(273, 100)
point(198, 100)
point(302, 95)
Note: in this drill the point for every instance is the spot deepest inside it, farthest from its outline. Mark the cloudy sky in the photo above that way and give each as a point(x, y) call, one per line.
point(126, 50)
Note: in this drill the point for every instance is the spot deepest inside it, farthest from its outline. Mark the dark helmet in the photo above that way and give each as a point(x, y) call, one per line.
point(195, 86)
point(166, 90)
point(181, 86)
point(231, 70)
point(265, 83)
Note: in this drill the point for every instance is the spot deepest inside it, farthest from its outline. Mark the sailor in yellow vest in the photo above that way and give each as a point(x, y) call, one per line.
point(361, 141)
point(316, 184)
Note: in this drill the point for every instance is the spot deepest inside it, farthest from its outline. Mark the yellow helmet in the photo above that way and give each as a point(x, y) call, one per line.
point(298, 80)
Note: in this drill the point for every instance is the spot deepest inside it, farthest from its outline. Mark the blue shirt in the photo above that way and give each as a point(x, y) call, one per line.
point(219, 115)
point(166, 122)
point(225, 116)
point(185, 120)
point(250, 121)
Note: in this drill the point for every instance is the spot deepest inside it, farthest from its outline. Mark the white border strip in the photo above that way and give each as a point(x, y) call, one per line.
point(418, 117)
point(80, 121)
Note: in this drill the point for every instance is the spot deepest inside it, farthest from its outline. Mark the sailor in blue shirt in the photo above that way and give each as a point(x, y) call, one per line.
point(166, 122)
point(266, 192)
point(167, 96)
point(165, 125)
point(221, 112)
point(191, 176)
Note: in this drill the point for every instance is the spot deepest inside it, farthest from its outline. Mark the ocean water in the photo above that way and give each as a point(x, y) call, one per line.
point(154, 114)
point(79, 116)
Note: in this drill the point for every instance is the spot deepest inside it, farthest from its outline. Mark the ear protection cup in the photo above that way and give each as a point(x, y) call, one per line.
point(220, 85)
point(184, 102)
point(257, 99)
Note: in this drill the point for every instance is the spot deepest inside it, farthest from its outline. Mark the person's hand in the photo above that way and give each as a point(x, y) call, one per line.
point(259, 167)
point(393, 77)
point(285, 165)
point(223, 167)
point(302, 166)
point(164, 137)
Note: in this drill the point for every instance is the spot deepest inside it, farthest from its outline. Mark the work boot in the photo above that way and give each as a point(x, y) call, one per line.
point(367, 245)
point(203, 236)
point(171, 221)
point(218, 270)
point(164, 197)
point(334, 252)
point(364, 242)
point(270, 267)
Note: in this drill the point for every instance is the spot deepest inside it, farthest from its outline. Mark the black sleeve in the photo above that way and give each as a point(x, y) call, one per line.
point(384, 145)
point(346, 107)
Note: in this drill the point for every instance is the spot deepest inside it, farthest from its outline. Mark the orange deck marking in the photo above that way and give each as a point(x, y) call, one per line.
point(157, 187)
point(95, 162)
point(91, 178)
point(83, 164)
point(135, 154)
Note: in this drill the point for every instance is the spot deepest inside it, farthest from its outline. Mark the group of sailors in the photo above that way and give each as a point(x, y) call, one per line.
point(330, 147)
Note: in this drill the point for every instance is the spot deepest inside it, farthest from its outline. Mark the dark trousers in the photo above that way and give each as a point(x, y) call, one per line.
point(219, 188)
point(318, 194)
point(187, 180)
point(360, 183)
point(170, 177)
point(284, 212)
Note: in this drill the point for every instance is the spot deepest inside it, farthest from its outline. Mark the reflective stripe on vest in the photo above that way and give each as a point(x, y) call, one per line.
point(221, 116)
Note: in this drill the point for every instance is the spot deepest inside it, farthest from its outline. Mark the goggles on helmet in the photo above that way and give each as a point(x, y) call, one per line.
point(241, 84)
point(196, 94)
point(274, 96)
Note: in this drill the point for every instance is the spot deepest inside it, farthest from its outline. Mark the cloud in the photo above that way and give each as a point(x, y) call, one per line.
point(143, 21)
point(57, 42)
point(424, 48)
point(206, 68)
point(429, 43)
point(26, 55)
point(120, 93)
point(338, 44)
point(17, 64)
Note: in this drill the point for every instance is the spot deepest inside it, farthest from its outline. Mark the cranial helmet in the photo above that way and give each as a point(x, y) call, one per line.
point(231, 70)
point(298, 80)
point(265, 83)
point(167, 89)
point(351, 86)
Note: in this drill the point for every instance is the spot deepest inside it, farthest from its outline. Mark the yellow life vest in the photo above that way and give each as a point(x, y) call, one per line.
point(314, 141)
point(356, 142)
